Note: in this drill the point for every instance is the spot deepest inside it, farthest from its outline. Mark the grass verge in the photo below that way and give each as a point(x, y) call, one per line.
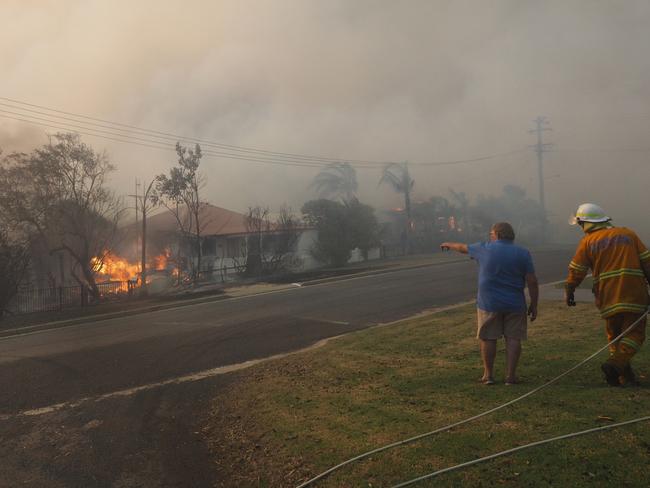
point(284, 421)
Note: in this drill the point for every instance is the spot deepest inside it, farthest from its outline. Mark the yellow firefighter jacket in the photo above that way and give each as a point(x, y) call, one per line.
point(614, 255)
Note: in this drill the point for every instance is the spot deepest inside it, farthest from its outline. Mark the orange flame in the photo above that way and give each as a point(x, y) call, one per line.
point(160, 261)
point(114, 268)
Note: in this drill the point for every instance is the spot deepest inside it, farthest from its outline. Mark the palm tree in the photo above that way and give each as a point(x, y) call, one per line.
point(398, 177)
point(338, 180)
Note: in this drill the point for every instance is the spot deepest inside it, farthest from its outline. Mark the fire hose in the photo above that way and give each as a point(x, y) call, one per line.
point(482, 414)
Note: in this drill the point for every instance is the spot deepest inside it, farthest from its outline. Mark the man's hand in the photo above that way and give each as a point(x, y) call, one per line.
point(454, 246)
point(569, 298)
point(532, 312)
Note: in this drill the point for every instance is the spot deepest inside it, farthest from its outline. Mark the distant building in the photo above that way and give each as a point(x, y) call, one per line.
point(224, 249)
point(224, 236)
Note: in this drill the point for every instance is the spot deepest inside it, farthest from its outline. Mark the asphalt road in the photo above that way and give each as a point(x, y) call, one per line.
point(62, 366)
point(65, 364)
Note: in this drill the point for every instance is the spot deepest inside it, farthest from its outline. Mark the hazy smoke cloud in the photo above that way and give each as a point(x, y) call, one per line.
point(381, 80)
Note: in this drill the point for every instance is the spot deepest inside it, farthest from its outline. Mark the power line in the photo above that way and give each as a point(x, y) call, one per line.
point(173, 136)
point(162, 145)
point(128, 139)
point(259, 155)
point(602, 149)
point(482, 175)
point(154, 134)
point(154, 145)
point(463, 161)
point(51, 126)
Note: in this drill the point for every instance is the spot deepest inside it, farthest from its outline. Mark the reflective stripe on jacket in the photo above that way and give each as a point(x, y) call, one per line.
point(614, 255)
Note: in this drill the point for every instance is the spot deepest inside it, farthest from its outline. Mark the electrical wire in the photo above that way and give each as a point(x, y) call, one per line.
point(601, 149)
point(475, 417)
point(156, 145)
point(258, 155)
point(242, 153)
point(127, 139)
point(520, 448)
point(165, 134)
point(141, 132)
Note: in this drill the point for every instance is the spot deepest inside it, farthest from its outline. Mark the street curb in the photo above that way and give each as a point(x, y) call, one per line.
point(212, 298)
point(378, 271)
point(193, 301)
point(230, 368)
point(220, 370)
point(112, 315)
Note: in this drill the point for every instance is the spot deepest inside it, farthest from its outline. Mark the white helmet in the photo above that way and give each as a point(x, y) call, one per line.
point(589, 212)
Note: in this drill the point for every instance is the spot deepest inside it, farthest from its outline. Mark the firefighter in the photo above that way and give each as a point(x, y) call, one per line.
point(620, 266)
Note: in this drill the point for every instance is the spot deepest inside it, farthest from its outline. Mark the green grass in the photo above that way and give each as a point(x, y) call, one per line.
point(287, 420)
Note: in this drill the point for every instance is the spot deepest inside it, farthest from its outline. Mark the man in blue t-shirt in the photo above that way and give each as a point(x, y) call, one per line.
point(505, 269)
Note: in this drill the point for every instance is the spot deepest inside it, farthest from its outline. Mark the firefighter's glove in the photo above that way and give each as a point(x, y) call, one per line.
point(569, 298)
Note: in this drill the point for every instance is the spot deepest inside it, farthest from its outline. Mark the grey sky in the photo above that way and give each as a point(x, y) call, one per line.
point(356, 79)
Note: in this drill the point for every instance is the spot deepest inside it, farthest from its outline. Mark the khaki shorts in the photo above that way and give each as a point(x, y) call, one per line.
point(494, 325)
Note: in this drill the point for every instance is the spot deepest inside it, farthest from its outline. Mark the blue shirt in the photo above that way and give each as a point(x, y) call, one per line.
point(502, 275)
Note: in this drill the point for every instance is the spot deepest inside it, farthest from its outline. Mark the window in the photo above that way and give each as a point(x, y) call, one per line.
point(234, 247)
point(209, 246)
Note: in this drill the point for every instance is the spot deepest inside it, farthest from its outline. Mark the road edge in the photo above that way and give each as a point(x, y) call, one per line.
point(196, 301)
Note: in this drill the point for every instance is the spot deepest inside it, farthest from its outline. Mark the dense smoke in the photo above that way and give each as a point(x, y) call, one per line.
point(373, 80)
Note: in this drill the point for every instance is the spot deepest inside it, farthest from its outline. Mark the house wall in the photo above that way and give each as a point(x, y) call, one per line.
point(357, 255)
point(229, 252)
point(305, 242)
point(49, 269)
point(308, 239)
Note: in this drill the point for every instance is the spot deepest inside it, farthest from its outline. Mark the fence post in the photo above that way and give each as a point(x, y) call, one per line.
point(60, 298)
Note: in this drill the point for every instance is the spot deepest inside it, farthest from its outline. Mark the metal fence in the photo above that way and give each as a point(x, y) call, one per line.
point(29, 300)
point(225, 274)
point(221, 274)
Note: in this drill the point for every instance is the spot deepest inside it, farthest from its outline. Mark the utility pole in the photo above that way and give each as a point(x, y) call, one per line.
point(541, 124)
point(136, 196)
point(145, 205)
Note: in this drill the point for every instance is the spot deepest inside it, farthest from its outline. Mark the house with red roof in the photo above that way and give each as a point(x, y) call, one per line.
point(224, 235)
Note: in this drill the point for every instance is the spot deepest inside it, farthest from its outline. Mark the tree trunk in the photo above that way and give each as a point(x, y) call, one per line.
point(179, 258)
point(90, 280)
point(197, 233)
point(198, 256)
point(407, 205)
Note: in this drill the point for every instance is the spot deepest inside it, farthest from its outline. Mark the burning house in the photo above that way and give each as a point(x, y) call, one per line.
point(225, 244)
point(172, 251)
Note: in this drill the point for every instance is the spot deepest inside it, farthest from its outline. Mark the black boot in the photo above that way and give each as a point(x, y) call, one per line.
point(611, 374)
point(630, 377)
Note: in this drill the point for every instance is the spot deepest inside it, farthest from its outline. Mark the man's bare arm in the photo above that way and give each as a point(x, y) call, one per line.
point(454, 246)
point(533, 291)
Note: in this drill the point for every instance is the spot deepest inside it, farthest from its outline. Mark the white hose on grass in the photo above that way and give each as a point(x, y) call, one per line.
point(520, 448)
point(475, 417)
